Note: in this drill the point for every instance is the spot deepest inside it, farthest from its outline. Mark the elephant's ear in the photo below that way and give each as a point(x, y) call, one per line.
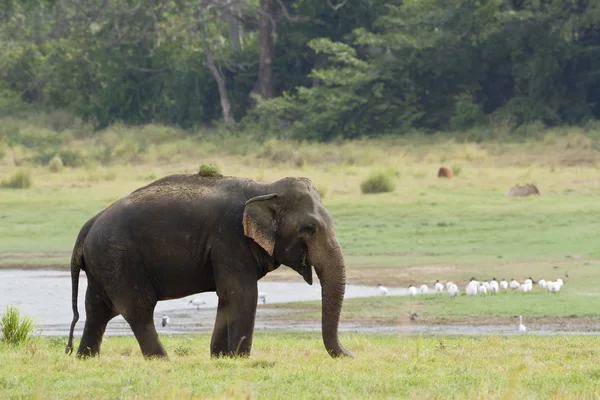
point(259, 221)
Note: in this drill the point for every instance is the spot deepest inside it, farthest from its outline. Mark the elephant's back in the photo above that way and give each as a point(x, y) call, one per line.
point(175, 187)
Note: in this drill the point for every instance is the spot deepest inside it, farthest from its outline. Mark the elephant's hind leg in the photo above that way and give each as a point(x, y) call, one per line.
point(98, 313)
point(147, 337)
point(138, 310)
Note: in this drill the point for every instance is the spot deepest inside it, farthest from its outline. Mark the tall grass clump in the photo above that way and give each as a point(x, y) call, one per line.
point(56, 164)
point(16, 330)
point(378, 182)
point(21, 179)
point(208, 170)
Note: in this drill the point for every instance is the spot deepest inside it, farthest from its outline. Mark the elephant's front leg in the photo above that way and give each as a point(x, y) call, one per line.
point(219, 344)
point(238, 293)
point(240, 319)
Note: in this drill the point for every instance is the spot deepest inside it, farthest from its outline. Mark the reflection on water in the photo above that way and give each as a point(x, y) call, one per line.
point(46, 295)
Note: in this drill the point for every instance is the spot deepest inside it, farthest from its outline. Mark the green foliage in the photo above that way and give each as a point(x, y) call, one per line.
point(208, 170)
point(56, 164)
point(456, 170)
point(377, 182)
point(16, 330)
point(20, 179)
point(367, 68)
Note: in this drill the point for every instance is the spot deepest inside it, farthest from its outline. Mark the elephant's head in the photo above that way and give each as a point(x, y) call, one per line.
point(292, 225)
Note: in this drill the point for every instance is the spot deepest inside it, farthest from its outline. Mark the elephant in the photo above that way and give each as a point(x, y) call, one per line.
point(191, 233)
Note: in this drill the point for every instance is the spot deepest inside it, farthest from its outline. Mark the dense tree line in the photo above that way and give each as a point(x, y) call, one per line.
point(312, 69)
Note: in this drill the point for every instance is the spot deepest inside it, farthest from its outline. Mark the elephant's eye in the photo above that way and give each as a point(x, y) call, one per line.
point(308, 229)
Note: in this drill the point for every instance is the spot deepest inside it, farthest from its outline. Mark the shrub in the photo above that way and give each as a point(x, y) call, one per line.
point(71, 158)
point(56, 164)
point(456, 169)
point(208, 170)
point(21, 179)
point(16, 330)
point(378, 182)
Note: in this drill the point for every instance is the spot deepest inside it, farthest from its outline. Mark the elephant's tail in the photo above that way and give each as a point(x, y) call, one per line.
point(76, 267)
point(77, 264)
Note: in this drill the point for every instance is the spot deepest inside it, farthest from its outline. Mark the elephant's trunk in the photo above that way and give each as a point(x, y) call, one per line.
point(330, 268)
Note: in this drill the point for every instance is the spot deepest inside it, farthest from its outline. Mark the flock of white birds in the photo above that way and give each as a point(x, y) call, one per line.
point(482, 288)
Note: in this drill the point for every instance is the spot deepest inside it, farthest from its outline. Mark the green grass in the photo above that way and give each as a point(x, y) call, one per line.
point(20, 179)
point(16, 330)
point(426, 221)
point(295, 365)
point(208, 170)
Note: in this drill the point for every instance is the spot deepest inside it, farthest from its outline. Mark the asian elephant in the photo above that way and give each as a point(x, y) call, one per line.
point(186, 234)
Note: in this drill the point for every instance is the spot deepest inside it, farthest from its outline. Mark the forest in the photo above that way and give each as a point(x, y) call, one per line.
point(306, 69)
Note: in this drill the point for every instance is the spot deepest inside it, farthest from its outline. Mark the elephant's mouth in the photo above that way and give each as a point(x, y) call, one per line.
point(304, 269)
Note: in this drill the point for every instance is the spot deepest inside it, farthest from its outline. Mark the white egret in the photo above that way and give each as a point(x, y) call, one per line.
point(197, 302)
point(412, 290)
point(521, 326)
point(438, 287)
point(453, 290)
point(382, 289)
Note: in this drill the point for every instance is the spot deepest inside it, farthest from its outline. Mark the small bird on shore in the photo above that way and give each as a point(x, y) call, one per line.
point(382, 289)
point(196, 302)
point(567, 274)
point(453, 291)
point(521, 326)
point(412, 316)
point(165, 321)
point(262, 296)
point(412, 290)
point(482, 289)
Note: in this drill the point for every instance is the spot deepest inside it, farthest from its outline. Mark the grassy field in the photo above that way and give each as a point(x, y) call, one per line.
point(459, 226)
point(425, 229)
point(295, 365)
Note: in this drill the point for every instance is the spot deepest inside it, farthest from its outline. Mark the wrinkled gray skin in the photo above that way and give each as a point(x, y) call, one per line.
point(186, 234)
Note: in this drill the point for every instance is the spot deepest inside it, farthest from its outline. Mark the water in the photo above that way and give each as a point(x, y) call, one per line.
point(46, 295)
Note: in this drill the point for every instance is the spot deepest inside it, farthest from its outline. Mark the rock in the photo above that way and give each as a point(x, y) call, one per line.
point(523, 190)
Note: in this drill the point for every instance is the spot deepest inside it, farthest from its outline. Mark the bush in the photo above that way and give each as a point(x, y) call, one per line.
point(378, 182)
point(56, 164)
point(16, 330)
point(71, 158)
point(208, 170)
point(21, 179)
point(456, 169)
